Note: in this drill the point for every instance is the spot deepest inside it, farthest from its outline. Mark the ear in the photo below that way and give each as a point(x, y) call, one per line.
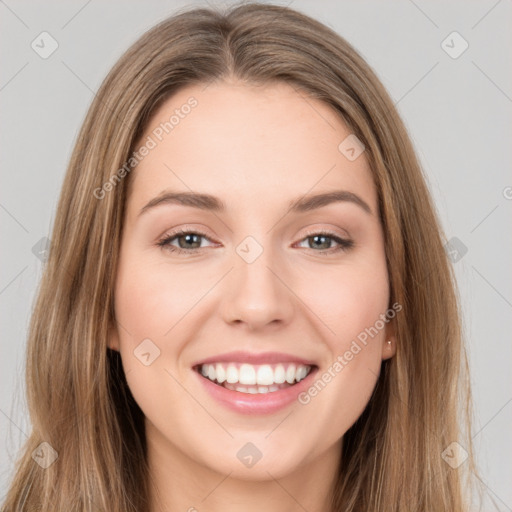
point(389, 342)
point(113, 338)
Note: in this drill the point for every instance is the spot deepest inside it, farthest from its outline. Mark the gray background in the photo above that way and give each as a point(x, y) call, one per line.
point(457, 110)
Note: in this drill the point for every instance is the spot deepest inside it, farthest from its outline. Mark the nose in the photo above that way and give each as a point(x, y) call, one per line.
point(257, 294)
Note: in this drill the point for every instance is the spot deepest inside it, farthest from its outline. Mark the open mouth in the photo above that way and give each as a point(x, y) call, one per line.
point(254, 379)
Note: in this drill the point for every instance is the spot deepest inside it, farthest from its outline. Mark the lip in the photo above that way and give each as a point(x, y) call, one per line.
point(261, 403)
point(253, 358)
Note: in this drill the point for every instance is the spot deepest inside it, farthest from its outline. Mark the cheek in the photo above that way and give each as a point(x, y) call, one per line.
point(149, 302)
point(151, 298)
point(352, 301)
point(346, 299)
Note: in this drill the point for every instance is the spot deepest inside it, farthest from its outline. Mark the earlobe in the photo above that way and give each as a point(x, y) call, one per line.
point(389, 343)
point(389, 348)
point(113, 339)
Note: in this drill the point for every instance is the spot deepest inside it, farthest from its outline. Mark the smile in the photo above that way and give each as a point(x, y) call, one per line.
point(254, 379)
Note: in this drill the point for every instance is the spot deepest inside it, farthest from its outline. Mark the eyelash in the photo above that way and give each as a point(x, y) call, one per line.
point(344, 243)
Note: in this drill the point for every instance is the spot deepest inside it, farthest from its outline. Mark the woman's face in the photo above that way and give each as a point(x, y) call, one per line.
point(266, 285)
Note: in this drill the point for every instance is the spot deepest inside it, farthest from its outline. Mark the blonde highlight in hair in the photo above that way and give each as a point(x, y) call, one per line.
point(78, 398)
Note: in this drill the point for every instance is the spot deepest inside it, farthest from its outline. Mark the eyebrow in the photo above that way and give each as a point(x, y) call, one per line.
point(212, 203)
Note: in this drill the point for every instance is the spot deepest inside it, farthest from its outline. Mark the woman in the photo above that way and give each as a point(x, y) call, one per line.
point(247, 303)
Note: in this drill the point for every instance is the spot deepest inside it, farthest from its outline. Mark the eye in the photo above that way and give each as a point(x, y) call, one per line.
point(188, 241)
point(323, 240)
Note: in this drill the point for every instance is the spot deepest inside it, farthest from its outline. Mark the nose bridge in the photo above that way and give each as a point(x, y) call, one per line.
point(257, 295)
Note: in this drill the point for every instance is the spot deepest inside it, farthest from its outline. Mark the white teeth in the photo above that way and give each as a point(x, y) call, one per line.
point(221, 373)
point(302, 371)
point(279, 374)
point(290, 374)
point(247, 374)
point(264, 378)
point(265, 375)
point(231, 374)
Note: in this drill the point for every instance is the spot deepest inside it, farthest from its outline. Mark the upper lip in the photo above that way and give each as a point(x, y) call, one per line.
point(255, 358)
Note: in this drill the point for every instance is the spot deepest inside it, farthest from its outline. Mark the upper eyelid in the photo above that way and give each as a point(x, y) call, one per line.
point(184, 231)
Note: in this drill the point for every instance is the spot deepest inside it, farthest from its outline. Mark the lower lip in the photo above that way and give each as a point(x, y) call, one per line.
point(260, 403)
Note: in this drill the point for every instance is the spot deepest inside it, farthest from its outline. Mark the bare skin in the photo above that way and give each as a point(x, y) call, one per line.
point(256, 149)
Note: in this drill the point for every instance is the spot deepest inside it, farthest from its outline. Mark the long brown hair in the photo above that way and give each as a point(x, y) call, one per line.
point(78, 399)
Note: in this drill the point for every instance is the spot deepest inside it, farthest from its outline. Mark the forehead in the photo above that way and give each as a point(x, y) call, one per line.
point(249, 145)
